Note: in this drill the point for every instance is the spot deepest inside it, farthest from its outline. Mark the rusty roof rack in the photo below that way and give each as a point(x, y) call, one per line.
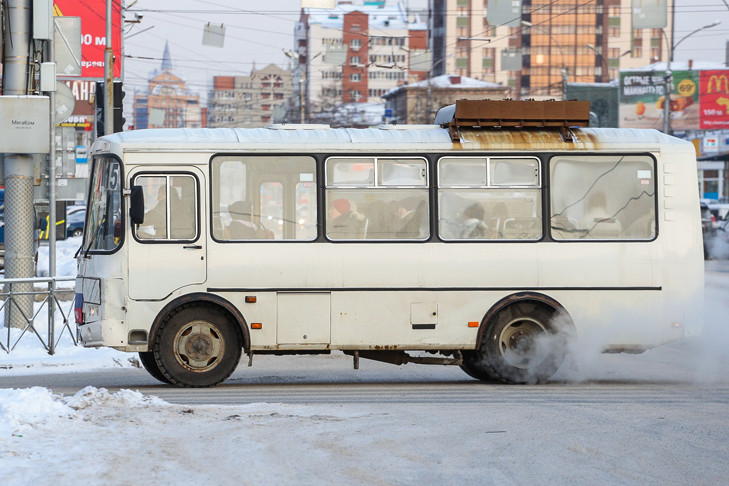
point(512, 113)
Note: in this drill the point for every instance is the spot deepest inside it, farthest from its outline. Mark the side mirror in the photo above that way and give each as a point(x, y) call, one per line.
point(136, 205)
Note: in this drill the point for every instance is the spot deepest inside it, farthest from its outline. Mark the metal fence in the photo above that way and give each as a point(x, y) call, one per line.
point(48, 299)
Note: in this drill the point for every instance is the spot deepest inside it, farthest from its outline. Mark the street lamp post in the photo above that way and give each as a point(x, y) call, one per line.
point(604, 61)
point(668, 80)
point(563, 71)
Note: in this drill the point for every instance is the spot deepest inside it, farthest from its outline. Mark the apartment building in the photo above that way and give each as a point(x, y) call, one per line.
point(355, 53)
point(541, 44)
point(250, 101)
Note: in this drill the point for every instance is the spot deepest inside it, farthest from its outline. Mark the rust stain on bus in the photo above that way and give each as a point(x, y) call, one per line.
point(524, 139)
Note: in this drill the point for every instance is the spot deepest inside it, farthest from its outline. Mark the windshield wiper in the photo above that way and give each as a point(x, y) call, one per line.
point(93, 238)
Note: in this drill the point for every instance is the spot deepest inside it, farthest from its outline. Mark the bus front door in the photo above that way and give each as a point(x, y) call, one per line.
point(168, 251)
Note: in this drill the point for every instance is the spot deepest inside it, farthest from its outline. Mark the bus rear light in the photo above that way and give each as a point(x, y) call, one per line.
point(78, 308)
point(256, 325)
point(472, 323)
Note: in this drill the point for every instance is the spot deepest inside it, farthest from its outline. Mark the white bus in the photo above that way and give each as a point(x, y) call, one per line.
point(490, 248)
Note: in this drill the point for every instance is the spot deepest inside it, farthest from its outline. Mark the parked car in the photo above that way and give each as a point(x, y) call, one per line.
point(719, 245)
point(75, 223)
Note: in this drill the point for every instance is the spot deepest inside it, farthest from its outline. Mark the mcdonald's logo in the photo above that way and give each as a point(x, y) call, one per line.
point(720, 81)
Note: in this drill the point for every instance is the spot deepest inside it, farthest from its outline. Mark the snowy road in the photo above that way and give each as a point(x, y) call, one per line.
point(658, 418)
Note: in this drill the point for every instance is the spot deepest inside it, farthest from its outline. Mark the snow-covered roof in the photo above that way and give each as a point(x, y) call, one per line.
point(387, 17)
point(679, 66)
point(446, 81)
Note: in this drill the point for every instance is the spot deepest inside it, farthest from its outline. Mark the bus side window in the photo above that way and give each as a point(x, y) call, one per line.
point(170, 204)
point(489, 198)
point(377, 198)
point(264, 198)
point(603, 197)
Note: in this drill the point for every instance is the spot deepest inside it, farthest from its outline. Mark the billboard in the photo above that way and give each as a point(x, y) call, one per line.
point(714, 86)
point(93, 33)
point(642, 94)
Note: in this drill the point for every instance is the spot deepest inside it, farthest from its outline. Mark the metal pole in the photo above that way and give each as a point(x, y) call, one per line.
point(52, 216)
point(668, 80)
point(19, 221)
point(108, 76)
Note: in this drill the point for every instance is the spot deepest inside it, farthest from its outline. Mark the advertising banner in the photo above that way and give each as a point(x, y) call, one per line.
point(642, 95)
point(93, 33)
point(714, 99)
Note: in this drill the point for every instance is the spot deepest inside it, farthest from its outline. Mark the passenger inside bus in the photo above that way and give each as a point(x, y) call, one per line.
point(242, 226)
point(342, 221)
point(473, 226)
point(155, 220)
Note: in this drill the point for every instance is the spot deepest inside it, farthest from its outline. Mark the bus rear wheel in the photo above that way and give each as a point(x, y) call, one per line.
point(524, 343)
point(197, 347)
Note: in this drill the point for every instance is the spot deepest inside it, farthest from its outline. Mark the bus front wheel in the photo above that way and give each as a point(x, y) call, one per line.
point(149, 363)
point(197, 347)
point(524, 343)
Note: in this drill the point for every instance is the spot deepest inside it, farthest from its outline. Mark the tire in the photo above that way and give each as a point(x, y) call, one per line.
point(77, 232)
point(524, 343)
point(197, 347)
point(147, 359)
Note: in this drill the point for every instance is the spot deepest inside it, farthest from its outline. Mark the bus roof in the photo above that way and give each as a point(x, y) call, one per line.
point(391, 138)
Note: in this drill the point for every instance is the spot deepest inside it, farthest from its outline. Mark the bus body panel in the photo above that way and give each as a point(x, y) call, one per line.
point(409, 295)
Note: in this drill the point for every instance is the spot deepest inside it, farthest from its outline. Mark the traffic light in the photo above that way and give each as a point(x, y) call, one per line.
point(119, 119)
point(100, 104)
point(99, 108)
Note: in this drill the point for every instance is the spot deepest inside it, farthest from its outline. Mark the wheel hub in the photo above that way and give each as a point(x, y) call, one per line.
point(518, 342)
point(198, 346)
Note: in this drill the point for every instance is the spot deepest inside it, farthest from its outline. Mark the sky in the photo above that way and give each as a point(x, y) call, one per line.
point(258, 32)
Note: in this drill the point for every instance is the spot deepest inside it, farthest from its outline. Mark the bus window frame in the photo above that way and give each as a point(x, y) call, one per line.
point(198, 226)
point(428, 186)
point(548, 194)
point(123, 219)
point(542, 186)
point(318, 168)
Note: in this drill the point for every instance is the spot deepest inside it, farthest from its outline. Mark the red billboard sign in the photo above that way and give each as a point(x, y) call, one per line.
point(93, 33)
point(714, 100)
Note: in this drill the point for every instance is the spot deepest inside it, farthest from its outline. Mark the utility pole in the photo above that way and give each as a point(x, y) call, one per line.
point(108, 76)
point(19, 220)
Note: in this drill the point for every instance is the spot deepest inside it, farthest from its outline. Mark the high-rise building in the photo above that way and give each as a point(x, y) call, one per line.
point(355, 52)
point(535, 50)
point(167, 104)
point(256, 100)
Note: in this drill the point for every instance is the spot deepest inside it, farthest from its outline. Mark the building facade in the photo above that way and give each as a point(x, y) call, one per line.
point(417, 103)
point(543, 44)
point(167, 103)
point(355, 53)
point(250, 101)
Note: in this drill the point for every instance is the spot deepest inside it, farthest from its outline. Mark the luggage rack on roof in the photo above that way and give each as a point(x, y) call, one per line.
point(511, 113)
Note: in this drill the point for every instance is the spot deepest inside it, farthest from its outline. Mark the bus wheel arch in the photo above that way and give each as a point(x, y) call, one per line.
point(523, 338)
point(208, 301)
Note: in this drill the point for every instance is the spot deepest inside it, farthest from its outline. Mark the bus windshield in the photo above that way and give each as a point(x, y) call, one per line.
point(103, 229)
